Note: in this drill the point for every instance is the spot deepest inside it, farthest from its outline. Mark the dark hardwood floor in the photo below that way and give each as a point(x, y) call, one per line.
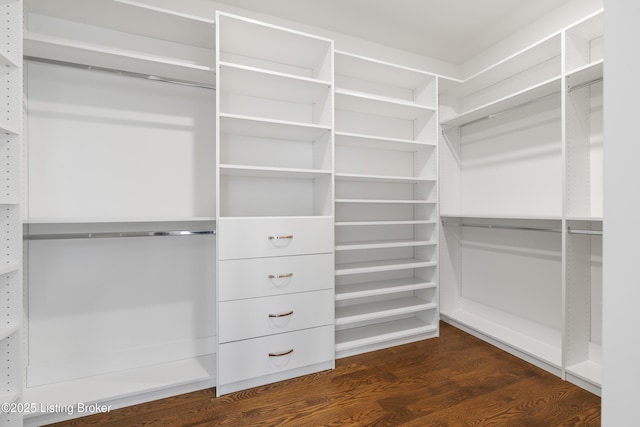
point(454, 380)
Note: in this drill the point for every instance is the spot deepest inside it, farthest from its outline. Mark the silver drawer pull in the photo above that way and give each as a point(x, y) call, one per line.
point(284, 237)
point(288, 313)
point(284, 353)
point(280, 276)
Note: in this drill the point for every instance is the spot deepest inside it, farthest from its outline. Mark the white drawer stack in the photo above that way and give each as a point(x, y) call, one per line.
point(275, 299)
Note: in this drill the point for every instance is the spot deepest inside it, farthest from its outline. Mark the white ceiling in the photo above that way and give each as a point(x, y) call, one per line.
point(449, 30)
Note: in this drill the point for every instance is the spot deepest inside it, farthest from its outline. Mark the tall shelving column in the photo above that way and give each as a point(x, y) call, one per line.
point(386, 210)
point(584, 61)
point(10, 200)
point(275, 286)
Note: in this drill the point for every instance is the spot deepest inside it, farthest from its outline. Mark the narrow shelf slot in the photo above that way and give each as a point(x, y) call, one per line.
point(373, 223)
point(267, 128)
point(269, 172)
point(378, 266)
point(383, 244)
point(368, 289)
point(380, 309)
point(385, 201)
point(381, 143)
point(380, 332)
point(380, 178)
point(379, 106)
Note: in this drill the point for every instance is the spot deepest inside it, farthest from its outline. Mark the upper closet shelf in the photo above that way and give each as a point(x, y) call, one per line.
point(586, 75)
point(268, 128)
point(380, 143)
point(523, 97)
point(272, 85)
point(379, 105)
point(271, 172)
point(380, 178)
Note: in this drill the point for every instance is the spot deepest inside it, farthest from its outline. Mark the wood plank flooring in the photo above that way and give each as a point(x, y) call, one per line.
point(453, 380)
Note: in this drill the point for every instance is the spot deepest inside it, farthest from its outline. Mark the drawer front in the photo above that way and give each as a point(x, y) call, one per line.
point(267, 237)
point(255, 317)
point(242, 360)
point(261, 277)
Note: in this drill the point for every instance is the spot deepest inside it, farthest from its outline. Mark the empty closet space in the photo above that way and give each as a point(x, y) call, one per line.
point(521, 202)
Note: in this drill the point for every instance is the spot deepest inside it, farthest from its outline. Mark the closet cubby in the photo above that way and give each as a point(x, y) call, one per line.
point(153, 41)
point(386, 204)
point(521, 188)
point(583, 276)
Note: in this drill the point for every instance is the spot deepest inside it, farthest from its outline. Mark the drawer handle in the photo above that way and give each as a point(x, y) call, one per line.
point(288, 313)
point(280, 276)
point(284, 353)
point(283, 237)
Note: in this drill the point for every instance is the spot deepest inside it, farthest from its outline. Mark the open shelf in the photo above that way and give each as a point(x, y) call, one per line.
point(380, 309)
point(380, 332)
point(115, 220)
point(197, 372)
point(523, 97)
point(268, 128)
point(383, 287)
point(588, 371)
point(538, 341)
point(383, 244)
point(384, 222)
point(271, 172)
point(586, 74)
point(379, 178)
point(385, 201)
point(378, 266)
point(260, 83)
point(379, 106)
point(380, 143)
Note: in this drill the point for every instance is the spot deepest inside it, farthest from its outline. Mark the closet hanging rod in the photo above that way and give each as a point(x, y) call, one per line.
point(105, 235)
point(587, 232)
point(504, 227)
point(585, 84)
point(118, 72)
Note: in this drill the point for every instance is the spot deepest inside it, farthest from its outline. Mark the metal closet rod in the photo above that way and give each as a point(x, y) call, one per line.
point(118, 72)
point(505, 227)
point(106, 235)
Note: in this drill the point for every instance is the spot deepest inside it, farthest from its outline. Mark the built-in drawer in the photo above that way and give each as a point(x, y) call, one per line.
point(267, 237)
point(255, 317)
point(242, 360)
point(260, 277)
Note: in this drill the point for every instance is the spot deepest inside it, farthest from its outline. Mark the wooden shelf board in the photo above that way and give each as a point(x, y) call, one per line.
point(269, 172)
point(358, 337)
point(381, 178)
point(381, 143)
point(125, 383)
point(383, 244)
point(588, 371)
point(84, 220)
point(497, 327)
point(385, 287)
point(377, 266)
point(386, 201)
point(522, 97)
point(373, 223)
point(260, 83)
point(379, 106)
point(266, 128)
point(377, 71)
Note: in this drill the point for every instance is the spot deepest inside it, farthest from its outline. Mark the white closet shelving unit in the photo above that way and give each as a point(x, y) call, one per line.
point(521, 188)
point(275, 203)
point(11, 291)
point(120, 265)
point(386, 198)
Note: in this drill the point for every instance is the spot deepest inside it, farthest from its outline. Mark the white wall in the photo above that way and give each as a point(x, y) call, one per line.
point(621, 346)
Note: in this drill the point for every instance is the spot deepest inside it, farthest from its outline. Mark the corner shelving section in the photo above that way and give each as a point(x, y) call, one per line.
point(275, 200)
point(11, 291)
point(386, 205)
point(584, 63)
point(500, 128)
